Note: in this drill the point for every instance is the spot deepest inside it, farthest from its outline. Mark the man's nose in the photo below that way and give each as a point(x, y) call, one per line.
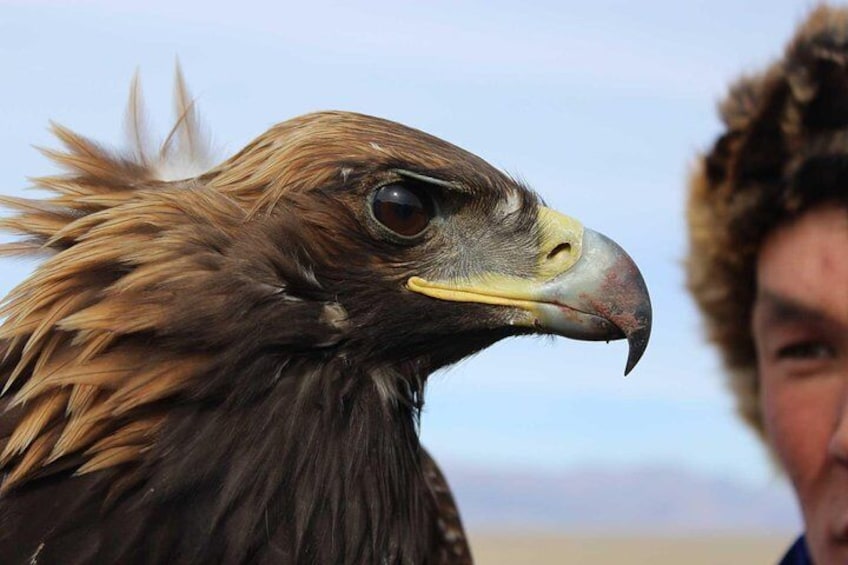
point(838, 447)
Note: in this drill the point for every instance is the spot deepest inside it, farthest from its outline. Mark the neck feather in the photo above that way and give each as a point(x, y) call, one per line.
point(326, 467)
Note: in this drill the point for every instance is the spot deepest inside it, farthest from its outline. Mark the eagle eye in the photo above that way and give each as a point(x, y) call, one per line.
point(403, 209)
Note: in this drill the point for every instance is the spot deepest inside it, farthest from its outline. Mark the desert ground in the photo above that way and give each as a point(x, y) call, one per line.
point(493, 548)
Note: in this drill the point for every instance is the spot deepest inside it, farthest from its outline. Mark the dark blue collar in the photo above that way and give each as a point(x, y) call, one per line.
point(797, 554)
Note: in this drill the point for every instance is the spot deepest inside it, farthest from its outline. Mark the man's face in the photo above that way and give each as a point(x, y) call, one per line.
point(800, 326)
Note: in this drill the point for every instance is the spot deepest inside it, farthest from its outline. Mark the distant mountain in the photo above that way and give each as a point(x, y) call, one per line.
point(659, 500)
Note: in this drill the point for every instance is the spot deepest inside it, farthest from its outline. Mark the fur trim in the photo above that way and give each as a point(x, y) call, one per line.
point(784, 150)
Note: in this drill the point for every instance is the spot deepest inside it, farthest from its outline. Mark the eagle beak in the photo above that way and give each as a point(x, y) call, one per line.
point(586, 287)
point(602, 297)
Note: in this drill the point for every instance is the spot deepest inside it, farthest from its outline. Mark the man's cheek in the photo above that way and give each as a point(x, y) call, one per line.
point(798, 420)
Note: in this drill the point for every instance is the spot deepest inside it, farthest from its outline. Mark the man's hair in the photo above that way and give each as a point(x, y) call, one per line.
point(784, 151)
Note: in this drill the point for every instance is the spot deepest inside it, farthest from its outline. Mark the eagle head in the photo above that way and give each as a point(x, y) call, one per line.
point(420, 252)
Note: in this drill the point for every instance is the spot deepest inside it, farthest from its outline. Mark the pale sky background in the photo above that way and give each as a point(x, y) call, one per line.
point(600, 106)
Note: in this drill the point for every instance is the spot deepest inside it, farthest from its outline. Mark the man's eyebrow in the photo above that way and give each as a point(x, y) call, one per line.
point(781, 308)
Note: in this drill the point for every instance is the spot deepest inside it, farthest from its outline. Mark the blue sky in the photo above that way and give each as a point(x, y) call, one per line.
point(600, 106)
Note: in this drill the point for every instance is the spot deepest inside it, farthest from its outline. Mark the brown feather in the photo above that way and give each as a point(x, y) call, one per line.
point(81, 399)
point(33, 456)
point(136, 123)
point(31, 426)
point(111, 457)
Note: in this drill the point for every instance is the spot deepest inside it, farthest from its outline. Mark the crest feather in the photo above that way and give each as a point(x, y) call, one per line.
point(113, 231)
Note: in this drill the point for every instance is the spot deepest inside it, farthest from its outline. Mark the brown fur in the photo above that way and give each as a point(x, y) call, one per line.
point(785, 150)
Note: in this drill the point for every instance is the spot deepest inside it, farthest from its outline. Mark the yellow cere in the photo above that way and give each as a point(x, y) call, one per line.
point(556, 230)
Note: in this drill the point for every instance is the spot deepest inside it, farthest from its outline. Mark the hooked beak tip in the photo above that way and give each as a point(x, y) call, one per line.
point(637, 342)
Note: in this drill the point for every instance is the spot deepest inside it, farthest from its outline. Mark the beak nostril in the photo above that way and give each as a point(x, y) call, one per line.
point(561, 248)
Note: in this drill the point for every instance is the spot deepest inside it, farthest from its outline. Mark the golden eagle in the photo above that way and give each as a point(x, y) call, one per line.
point(228, 366)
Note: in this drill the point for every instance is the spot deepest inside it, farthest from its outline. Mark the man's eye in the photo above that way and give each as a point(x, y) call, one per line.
point(806, 350)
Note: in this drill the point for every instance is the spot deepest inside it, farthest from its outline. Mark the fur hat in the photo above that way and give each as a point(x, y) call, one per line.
point(784, 150)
